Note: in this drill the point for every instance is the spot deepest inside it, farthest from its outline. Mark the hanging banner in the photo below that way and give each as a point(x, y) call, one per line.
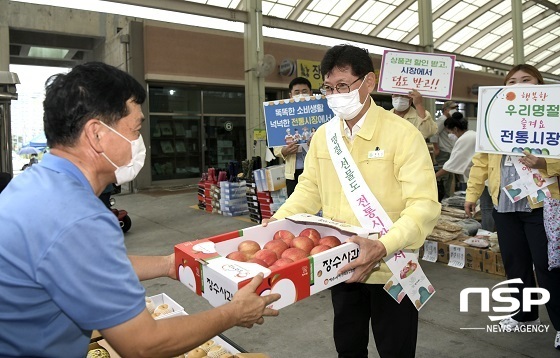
point(428, 73)
point(295, 120)
point(512, 119)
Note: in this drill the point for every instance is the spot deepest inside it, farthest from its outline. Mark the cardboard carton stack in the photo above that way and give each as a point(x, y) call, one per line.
point(267, 193)
point(233, 199)
point(202, 192)
point(253, 203)
point(215, 198)
point(448, 233)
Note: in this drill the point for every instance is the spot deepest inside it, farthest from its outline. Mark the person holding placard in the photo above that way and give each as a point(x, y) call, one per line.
point(388, 155)
point(417, 115)
point(292, 153)
point(519, 221)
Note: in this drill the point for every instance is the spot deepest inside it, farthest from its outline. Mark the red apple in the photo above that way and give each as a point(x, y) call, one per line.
point(237, 256)
point(284, 235)
point(303, 242)
point(258, 261)
point(294, 254)
point(277, 246)
point(331, 241)
point(319, 248)
point(249, 247)
point(312, 234)
point(267, 256)
point(283, 262)
point(280, 263)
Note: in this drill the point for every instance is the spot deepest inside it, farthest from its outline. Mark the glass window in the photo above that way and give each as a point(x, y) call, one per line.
point(225, 140)
point(174, 99)
point(175, 147)
point(224, 102)
point(193, 128)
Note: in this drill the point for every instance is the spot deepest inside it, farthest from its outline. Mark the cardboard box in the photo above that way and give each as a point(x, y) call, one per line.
point(443, 252)
point(275, 177)
point(220, 339)
point(202, 265)
point(500, 270)
point(163, 298)
point(489, 261)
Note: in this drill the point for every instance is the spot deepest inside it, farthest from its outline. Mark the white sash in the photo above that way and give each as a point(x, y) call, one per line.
point(371, 215)
point(367, 209)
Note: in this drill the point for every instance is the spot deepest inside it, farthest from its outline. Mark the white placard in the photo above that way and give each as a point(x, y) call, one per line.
point(428, 73)
point(456, 256)
point(430, 251)
point(516, 118)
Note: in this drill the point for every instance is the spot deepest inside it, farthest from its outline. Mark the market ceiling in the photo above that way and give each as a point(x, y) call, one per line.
point(477, 31)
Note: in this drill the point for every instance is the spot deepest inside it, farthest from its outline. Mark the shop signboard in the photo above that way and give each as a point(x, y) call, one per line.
point(310, 70)
point(295, 120)
point(512, 119)
point(428, 73)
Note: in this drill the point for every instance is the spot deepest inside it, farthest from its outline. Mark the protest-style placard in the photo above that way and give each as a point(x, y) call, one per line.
point(295, 120)
point(428, 73)
point(512, 119)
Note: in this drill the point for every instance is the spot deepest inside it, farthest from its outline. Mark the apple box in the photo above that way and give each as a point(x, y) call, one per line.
point(176, 309)
point(203, 267)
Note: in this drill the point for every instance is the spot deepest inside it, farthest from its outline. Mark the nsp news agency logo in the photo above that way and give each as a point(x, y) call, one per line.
point(532, 296)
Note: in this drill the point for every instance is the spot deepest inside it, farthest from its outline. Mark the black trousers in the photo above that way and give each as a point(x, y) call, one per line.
point(394, 326)
point(291, 184)
point(523, 243)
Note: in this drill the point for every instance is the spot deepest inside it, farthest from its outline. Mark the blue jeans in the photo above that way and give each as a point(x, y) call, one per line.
point(486, 208)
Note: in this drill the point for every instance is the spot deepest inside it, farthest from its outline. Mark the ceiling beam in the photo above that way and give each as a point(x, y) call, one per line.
point(532, 38)
point(242, 16)
point(52, 40)
point(352, 9)
point(483, 32)
point(466, 21)
point(552, 56)
point(299, 9)
point(276, 22)
point(31, 61)
point(503, 39)
point(444, 8)
point(188, 7)
point(541, 49)
point(394, 14)
point(548, 4)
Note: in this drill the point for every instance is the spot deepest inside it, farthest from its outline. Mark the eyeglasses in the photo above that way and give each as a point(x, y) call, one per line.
point(340, 88)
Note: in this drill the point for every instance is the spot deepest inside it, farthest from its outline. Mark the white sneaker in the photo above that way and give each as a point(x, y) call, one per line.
point(509, 324)
point(557, 340)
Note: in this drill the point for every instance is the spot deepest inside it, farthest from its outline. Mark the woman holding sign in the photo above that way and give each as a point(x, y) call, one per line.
point(518, 215)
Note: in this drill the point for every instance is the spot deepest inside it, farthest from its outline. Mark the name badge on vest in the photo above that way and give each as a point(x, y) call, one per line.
point(376, 154)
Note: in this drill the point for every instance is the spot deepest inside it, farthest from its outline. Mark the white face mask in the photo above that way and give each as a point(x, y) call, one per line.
point(451, 111)
point(346, 105)
point(128, 172)
point(401, 104)
point(452, 136)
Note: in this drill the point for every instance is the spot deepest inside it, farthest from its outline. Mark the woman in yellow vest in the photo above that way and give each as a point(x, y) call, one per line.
point(520, 227)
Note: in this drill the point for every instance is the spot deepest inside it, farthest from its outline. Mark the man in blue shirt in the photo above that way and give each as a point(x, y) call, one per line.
point(70, 274)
